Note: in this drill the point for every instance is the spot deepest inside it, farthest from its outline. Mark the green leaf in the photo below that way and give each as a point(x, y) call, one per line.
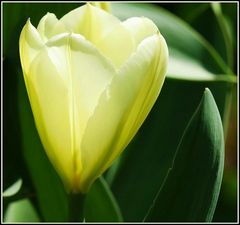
point(13, 190)
point(191, 188)
point(21, 211)
point(184, 67)
point(101, 205)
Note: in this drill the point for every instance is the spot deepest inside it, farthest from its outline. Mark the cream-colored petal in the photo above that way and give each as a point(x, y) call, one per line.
point(85, 71)
point(140, 28)
point(30, 44)
point(49, 26)
point(89, 21)
point(117, 45)
point(49, 98)
point(102, 29)
point(66, 81)
point(123, 107)
point(148, 94)
point(46, 25)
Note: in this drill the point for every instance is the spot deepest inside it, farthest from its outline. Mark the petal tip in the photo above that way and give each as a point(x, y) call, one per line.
point(28, 23)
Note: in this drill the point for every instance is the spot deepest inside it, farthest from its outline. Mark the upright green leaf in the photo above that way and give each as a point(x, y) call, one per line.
point(191, 188)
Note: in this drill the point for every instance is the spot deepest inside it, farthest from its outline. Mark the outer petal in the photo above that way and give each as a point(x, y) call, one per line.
point(86, 72)
point(49, 26)
point(50, 105)
point(125, 104)
point(117, 45)
point(104, 30)
point(140, 28)
point(66, 81)
point(30, 44)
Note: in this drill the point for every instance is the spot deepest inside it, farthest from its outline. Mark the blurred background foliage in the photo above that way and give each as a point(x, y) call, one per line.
point(202, 40)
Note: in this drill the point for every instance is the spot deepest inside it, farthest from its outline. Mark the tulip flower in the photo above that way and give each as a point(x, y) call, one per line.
point(91, 81)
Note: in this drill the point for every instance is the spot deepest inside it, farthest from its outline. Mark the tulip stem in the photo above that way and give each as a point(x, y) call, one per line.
point(76, 207)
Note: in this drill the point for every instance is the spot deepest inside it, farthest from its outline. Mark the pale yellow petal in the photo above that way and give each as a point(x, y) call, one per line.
point(50, 26)
point(66, 82)
point(85, 70)
point(140, 28)
point(46, 25)
point(151, 88)
point(123, 107)
point(117, 45)
point(102, 29)
point(90, 21)
point(30, 44)
point(49, 100)
point(91, 81)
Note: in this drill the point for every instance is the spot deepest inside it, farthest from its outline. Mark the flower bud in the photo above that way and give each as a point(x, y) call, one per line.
point(91, 81)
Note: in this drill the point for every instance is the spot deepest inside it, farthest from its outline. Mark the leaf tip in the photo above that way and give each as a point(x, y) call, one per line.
point(207, 92)
point(207, 97)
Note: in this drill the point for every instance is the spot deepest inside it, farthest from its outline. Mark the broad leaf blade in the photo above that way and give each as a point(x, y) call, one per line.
point(191, 188)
